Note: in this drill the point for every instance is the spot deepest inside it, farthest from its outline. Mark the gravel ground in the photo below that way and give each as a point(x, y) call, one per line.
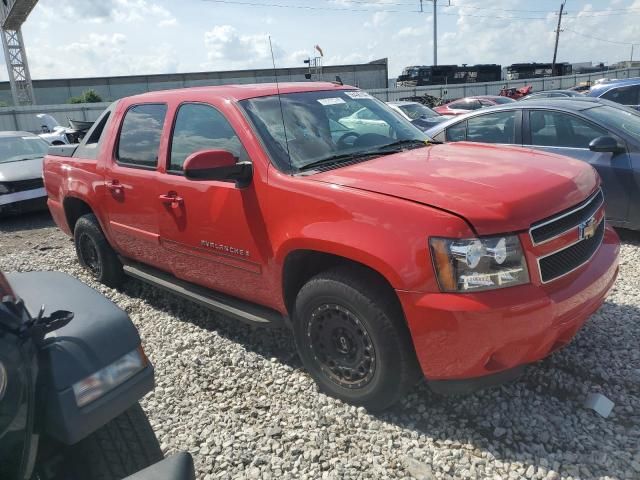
point(237, 398)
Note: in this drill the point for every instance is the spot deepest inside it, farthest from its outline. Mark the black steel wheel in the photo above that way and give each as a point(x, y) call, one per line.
point(342, 346)
point(95, 253)
point(88, 254)
point(352, 338)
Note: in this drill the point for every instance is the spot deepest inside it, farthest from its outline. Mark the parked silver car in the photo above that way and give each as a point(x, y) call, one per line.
point(21, 184)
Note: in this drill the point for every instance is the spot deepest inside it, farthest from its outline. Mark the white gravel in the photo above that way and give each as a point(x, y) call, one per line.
point(237, 398)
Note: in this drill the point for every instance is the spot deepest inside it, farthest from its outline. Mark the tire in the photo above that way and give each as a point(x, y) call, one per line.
point(121, 448)
point(95, 253)
point(352, 338)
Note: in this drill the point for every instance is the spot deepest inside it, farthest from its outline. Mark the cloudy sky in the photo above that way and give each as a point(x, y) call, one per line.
point(80, 38)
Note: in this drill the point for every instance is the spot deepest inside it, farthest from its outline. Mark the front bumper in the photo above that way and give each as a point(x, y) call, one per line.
point(22, 202)
point(466, 336)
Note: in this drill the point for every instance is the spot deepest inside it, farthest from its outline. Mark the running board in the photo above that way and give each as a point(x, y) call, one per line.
point(216, 301)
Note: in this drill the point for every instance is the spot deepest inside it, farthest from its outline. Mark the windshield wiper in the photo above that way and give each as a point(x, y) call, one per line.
point(335, 159)
point(398, 146)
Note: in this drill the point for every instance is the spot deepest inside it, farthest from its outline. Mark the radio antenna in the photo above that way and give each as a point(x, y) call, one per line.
point(284, 127)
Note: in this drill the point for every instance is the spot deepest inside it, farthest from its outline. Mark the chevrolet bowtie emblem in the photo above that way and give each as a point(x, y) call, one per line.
point(587, 229)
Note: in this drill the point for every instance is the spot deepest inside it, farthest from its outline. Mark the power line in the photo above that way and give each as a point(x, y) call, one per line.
point(600, 39)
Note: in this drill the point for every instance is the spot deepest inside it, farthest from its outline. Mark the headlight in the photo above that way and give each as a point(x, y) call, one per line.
point(101, 382)
point(3, 189)
point(472, 264)
point(3, 380)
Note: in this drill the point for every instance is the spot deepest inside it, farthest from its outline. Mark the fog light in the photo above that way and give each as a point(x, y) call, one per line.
point(106, 379)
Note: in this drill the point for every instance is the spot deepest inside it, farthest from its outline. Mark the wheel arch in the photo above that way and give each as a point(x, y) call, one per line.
point(74, 208)
point(301, 265)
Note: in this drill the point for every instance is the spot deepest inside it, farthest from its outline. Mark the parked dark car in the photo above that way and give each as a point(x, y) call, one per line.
point(626, 92)
point(552, 94)
point(418, 114)
point(21, 186)
point(599, 132)
point(464, 105)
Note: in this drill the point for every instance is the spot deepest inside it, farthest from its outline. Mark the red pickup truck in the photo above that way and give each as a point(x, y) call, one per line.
point(315, 206)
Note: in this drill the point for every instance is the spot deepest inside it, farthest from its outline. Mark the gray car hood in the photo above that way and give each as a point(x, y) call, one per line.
point(21, 170)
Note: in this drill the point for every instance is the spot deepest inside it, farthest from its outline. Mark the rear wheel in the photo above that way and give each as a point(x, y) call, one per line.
point(95, 253)
point(125, 445)
point(351, 336)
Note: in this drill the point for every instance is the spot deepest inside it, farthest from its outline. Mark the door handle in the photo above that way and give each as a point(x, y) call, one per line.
point(171, 199)
point(114, 186)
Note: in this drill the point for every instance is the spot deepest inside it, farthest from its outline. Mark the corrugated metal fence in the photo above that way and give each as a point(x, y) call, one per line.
point(24, 118)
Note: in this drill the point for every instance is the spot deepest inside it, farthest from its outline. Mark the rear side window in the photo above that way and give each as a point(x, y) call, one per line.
point(457, 132)
point(140, 135)
point(202, 127)
point(496, 127)
point(623, 95)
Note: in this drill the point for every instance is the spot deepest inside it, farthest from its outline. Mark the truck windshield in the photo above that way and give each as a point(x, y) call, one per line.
point(313, 127)
point(13, 149)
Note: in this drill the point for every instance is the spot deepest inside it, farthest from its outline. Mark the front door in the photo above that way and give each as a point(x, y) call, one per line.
point(130, 184)
point(211, 232)
point(570, 135)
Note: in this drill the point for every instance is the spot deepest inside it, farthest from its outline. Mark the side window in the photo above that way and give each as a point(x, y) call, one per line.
point(140, 135)
point(202, 127)
point(496, 127)
point(556, 129)
point(623, 95)
point(457, 132)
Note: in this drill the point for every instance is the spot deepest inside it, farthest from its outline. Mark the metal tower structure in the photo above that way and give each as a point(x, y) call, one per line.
point(13, 14)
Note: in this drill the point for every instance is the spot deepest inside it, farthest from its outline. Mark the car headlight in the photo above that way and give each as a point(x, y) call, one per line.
point(106, 379)
point(3, 380)
point(472, 264)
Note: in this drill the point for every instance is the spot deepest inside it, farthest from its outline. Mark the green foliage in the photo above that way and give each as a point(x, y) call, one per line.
point(88, 96)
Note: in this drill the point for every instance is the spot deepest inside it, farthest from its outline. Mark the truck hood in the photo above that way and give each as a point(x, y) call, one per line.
point(21, 170)
point(497, 189)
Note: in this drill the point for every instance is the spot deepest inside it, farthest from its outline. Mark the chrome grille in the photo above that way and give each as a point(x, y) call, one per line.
point(550, 228)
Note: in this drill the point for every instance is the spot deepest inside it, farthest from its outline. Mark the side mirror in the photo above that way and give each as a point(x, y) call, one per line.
point(218, 165)
point(606, 144)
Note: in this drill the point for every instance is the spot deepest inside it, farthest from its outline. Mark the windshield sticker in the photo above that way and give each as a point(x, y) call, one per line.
point(357, 94)
point(330, 101)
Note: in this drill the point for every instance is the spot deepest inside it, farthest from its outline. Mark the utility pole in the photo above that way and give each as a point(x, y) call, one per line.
point(555, 50)
point(435, 27)
point(631, 60)
point(435, 33)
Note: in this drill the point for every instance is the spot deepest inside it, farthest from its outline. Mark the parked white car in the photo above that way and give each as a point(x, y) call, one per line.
point(21, 184)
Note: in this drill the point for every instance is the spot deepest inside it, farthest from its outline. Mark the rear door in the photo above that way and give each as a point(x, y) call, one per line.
point(213, 234)
point(130, 179)
point(568, 134)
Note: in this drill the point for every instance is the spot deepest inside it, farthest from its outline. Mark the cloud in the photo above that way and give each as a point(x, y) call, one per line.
point(227, 49)
point(110, 11)
point(378, 19)
point(99, 55)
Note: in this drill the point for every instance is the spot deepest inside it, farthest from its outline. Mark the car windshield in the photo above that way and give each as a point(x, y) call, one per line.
point(416, 110)
point(624, 120)
point(304, 129)
point(14, 149)
point(501, 100)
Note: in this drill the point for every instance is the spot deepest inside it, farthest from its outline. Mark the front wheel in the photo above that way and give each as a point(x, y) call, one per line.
point(351, 336)
point(124, 446)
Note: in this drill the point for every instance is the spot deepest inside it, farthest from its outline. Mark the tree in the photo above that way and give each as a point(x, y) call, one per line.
point(88, 96)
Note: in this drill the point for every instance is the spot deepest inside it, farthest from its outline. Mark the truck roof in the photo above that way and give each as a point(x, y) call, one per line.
point(239, 92)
